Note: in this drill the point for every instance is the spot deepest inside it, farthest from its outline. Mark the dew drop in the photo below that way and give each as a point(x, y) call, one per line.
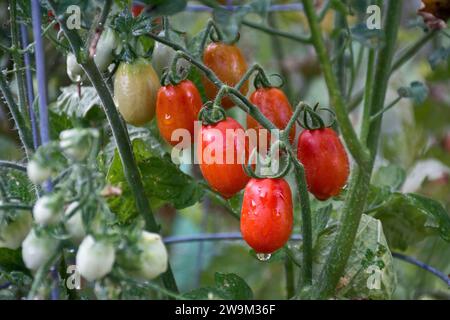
point(253, 203)
point(263, 256)
point(167, 116)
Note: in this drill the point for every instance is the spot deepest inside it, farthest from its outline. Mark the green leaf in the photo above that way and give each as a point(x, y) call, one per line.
point(163, 182)
point(409, 218)
point(71, 104)
point(320, 220)
point(11, 260)
point(229, 286)
point(234, 286)
point(392, 176)
point(417, 91)
point(370, 272)
point(230, 21)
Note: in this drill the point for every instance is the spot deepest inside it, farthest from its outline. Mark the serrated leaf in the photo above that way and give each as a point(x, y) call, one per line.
point(361, 273)
point(409, 218)
point(163, 182)
point(71, 104)
point(391, 176)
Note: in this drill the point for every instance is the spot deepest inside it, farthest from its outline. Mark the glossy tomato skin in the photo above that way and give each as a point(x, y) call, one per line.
point(267, 214)
point(225, 178)
point(136, 9)
point(228, 63)
point(273, 103)
point(135, 88)
point(325, 161)
point(177, 107)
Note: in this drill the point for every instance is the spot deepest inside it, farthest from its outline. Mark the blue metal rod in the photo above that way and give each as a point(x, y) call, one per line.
point(40, 71)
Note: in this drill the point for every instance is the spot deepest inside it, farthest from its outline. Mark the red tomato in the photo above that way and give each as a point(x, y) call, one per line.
point(228, 64)
point(50, 19)
point(266, 216)
point(273, 103)
point(213, 149)
point(177, 107)
point(136, 9)
point(325, 161)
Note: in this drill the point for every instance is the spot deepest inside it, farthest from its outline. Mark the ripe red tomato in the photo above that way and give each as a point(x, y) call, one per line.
point(273, 103)
point(136, 9)
point(177, 107)
point(266, 216)
point(325, 161)
point(228, 64)
point(50, 18)
point(213, 149)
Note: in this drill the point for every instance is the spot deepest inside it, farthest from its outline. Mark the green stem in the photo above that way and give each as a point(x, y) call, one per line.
point(278, 33)
point(387, 108)
point(383, 72)
point(359, 184)
point(339, 48)
point(357, 150)
point(18, 62)
point(15, 206)
point(289, 273)
point(306, 278)
point(13, 165)
point(130, 168)
point(22, 128)
point(365, 122)
point(298, 109)
point(42, 271)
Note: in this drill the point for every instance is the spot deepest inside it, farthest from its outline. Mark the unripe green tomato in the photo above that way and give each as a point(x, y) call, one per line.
point(36, 251)
point(151, 260)
point(162, 58)
point(74, 70)
point(38, 173)
point(48, 209)
point(106, 45)
point(95, 259)
point(77, 143)
point(135, 88)
point(74, 225)
point(13, 232)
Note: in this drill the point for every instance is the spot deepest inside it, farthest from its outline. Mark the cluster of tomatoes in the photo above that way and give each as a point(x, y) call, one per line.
point(267, 209)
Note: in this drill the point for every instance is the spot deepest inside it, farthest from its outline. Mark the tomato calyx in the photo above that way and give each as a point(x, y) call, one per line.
point(311, 118)
point(275, 165)
point(211, 113)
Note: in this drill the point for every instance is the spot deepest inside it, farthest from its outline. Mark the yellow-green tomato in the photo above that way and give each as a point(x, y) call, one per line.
point(135, 89)
point(14, 231)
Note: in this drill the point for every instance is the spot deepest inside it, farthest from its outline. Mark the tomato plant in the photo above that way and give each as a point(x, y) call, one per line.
point(95, 200)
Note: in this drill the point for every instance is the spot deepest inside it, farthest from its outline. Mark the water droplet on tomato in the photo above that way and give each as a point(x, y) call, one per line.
point(263, 256)
point(253, 203)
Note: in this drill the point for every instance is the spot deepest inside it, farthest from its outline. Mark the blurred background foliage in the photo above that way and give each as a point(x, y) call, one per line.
point(416, 139)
